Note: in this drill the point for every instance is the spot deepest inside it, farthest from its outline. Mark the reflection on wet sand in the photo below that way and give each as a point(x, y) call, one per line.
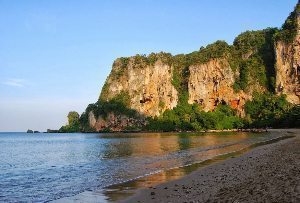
point(153, 158)
point(162, 143)
point(121, 191)
point(190, 163)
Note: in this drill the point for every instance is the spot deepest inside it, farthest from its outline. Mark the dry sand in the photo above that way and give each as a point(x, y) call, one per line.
point(269, 173)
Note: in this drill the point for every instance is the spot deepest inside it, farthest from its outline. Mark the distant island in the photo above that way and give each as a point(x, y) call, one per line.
point(253, 83)
point(31, 131)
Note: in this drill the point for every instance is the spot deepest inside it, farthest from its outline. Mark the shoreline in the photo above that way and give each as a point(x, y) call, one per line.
point(246, 178)
point(253, 130)
point(128, 191)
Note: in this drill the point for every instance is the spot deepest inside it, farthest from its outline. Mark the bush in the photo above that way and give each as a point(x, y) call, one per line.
point(73, 123)
point(187, 117)
point(288, 31)
point(119, 105)
point(266, 109)
point(253, 53)
point(290, 119)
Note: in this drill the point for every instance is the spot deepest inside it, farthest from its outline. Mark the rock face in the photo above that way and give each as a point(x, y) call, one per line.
point(152, 84)
point(211, 84)
point(149, 86)
point(288, 67)
point(151, 90)
point(114, 122)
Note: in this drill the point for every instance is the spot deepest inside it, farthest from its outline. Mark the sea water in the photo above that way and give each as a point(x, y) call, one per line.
point(43, 167)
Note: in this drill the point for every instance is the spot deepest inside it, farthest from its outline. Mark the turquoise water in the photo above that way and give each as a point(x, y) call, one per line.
point(45, 167)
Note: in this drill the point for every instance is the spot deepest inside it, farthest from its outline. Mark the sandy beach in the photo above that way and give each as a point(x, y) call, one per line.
point(269, 173)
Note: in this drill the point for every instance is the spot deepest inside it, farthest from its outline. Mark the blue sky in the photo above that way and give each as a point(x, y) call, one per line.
point(55, 55)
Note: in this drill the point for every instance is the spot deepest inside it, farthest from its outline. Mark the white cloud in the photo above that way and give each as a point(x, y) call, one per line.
point(15, 82)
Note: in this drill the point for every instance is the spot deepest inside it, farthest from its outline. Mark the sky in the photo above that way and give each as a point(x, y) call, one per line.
point(55, 55)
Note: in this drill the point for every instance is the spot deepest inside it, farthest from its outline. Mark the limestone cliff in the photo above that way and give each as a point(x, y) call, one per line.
point(151, 90)
point(211, 84)
point(149, 86)
point(115, 123)
point(258, 61)
point(288, 64)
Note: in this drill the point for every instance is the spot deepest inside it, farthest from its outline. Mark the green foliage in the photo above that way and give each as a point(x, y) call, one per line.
point(180, 82)
point(288, 31)
point(84, 120)
point(159, 125)
point(73, 117)
point(161, 104)
point(104, 91)
point(249, 41)
point(266, 109)
point(118, 70)
point(120, 66)
point(124, 62)
point(244, 75)
point(253, 53)
point(122, 98)
point(181, 64)
point(132, 129)
point(187, 117)
point(73, 123)
point(252, 59)
point(106, 130)
point(290, 119)
point(217, 50)
point(119, 105)
point(140, 61)
point(164, 57)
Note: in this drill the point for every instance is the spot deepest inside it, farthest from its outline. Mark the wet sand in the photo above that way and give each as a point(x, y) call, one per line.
point(269, 173)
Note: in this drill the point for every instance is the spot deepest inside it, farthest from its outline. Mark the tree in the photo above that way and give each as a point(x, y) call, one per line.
point(73, 123)
point(266, 109)
point(73, 117)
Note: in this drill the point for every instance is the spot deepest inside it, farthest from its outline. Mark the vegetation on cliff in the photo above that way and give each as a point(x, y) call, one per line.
point(266, 110)
point(252, 61)
point(289, 29)
point(290, 118)
point(118, 105)
point(73, 123)
point(193, 118)
point(253, 55)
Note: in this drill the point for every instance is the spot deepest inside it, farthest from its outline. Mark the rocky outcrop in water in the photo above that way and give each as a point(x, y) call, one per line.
point(115, 123)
